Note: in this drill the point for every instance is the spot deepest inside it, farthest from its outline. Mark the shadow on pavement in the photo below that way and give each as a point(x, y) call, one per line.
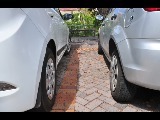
point(67, 76)
point(147, 99)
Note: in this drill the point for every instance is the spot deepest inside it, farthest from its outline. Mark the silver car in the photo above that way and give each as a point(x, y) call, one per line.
point(130, 40)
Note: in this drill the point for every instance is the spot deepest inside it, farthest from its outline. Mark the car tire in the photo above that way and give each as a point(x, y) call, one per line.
point(100, 51)
point(121, 89)
point(48, 88)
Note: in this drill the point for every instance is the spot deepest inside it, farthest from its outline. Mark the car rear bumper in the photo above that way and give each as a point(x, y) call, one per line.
point(140, 59)
point(20, 52)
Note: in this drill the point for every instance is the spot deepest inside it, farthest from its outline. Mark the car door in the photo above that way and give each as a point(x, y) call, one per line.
point(64, 28)
point(103, 30)
point(108, 23)
point(128, 17)
point(101, 33)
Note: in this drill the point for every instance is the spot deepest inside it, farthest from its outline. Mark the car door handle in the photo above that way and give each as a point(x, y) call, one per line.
point(51, 14)
point(114, 17)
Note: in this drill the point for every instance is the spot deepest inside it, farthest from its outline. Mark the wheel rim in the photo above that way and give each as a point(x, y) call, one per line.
point(50, 79)
point(114, 72)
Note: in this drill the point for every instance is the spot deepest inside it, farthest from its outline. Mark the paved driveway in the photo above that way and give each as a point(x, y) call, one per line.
point(83, 84)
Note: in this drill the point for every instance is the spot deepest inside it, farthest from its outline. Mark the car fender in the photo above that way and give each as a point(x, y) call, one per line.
point(43, 52)
point(118, 35)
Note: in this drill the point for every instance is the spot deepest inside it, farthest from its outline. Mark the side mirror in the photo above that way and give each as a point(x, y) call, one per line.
point(67, 16)
point(99, 17)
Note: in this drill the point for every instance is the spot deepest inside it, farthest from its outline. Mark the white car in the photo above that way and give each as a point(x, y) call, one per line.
point(32, 43)
point(130, 40)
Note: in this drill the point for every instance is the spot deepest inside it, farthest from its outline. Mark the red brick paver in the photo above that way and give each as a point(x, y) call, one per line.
point(83, 84)
point(65, 98)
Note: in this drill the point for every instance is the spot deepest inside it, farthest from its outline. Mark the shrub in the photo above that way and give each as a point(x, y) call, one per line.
point(84, 20)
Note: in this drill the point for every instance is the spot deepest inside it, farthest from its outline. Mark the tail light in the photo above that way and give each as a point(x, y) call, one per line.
point(151, 9)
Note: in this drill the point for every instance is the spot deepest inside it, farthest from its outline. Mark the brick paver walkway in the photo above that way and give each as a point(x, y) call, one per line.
point(83, 85)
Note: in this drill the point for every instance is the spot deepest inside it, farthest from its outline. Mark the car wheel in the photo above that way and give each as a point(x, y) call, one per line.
point(121, 89)
point(48, 82)
point(100, 51)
